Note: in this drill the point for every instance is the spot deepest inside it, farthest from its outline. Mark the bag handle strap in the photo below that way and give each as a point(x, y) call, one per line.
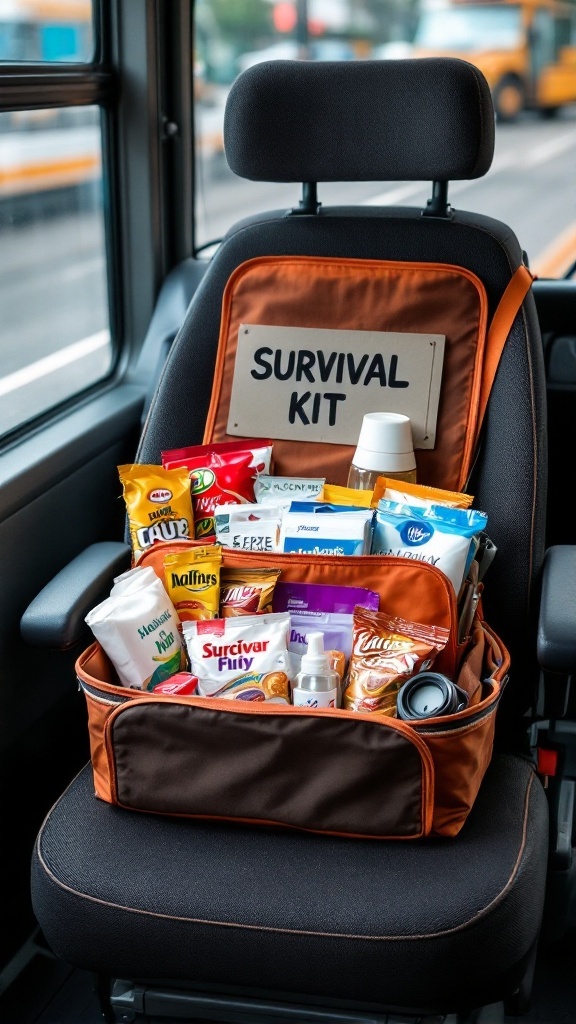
point(512, 298)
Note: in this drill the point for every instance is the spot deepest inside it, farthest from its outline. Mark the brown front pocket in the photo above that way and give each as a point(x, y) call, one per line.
point(321, 770)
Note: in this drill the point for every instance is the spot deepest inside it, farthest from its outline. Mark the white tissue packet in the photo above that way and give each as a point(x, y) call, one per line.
point(138, 628)
point(318, 528)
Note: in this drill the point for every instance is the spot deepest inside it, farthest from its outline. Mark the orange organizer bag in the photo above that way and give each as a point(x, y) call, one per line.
point(323, 770)
point(327, 770)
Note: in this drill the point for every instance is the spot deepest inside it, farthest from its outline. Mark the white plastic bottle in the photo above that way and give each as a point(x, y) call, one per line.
point(317, 685)
point(385, 448)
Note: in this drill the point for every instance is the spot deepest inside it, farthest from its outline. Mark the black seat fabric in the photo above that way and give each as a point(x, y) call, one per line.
point(359, 121)
point(428, 925)
point(136, 895)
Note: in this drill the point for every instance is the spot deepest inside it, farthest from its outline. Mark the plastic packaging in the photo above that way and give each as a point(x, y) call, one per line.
point(317, 684)
point(138, 628)
point(385, 448)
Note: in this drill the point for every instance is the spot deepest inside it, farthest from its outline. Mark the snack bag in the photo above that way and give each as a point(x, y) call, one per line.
point(247, 591)
point(336, 495)
point(311, 598)
point(193, 582)
point(418, 494)
point(245, 657)
point(219, 474)
point(387, 650)
point(158, 504)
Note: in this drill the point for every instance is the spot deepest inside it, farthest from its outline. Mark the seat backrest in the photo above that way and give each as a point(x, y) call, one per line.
point(424, 119)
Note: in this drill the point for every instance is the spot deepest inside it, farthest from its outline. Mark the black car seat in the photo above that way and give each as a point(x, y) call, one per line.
point(230, 922)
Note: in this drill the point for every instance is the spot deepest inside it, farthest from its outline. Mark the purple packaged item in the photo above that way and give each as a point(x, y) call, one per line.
point(311, 598)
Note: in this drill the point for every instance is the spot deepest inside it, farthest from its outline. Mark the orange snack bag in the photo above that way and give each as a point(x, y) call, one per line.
point(387, 650)
point(336, 495)
point(417, 494)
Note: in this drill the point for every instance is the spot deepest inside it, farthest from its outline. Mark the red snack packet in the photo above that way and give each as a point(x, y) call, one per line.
point(220, 474)
point(180, 682)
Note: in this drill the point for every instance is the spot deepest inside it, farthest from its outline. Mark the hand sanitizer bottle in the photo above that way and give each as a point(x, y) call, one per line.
point(316, 685)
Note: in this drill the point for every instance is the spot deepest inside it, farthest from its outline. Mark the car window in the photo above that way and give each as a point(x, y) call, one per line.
point(530, 185)
point(54, 330)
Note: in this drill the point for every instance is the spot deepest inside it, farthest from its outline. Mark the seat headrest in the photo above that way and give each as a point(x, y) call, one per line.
point(422, 119)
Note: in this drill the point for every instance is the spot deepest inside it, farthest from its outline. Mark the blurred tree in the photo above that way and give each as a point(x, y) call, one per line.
point(393, 19)
point(243, 22)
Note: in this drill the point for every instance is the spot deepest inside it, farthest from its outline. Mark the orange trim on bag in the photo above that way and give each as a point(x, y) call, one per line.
point(512, 298)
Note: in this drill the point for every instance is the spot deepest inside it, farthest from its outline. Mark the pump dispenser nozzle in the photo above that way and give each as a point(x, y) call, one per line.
point(316, 683)
point(315, 660)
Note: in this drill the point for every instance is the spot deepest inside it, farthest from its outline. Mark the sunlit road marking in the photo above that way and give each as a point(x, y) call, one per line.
point(548, 150)
point(557, 257)
point(56, 361)
point(552, 262)
point(539, 155)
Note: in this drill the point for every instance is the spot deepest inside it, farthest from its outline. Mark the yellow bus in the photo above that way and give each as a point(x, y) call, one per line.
point(526, 49)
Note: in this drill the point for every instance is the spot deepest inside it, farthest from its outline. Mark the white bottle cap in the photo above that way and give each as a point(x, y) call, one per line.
point(385, 443)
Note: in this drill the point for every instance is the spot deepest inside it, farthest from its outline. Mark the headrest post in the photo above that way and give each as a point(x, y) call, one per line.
point(309, 202)
point(438, 205)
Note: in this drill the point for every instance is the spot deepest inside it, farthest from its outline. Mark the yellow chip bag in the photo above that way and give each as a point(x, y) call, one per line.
point(193, 582)
point(336, 495)
point(158, 504)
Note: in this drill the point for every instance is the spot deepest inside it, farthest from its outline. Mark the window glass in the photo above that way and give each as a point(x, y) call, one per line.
point(46, 30)
point(564, 32)
point(531, 183)
point(54, 330)
point(470, 28)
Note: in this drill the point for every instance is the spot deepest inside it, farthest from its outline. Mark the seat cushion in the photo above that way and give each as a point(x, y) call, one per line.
point(438, 923)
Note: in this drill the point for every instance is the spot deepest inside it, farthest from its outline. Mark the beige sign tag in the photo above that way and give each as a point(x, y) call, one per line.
point(314, 384)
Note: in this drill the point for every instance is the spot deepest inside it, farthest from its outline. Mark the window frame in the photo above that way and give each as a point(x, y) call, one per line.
point(141, 79)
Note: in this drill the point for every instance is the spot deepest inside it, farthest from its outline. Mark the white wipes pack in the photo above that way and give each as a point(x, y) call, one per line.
point(436, 534)
point(138, 628)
